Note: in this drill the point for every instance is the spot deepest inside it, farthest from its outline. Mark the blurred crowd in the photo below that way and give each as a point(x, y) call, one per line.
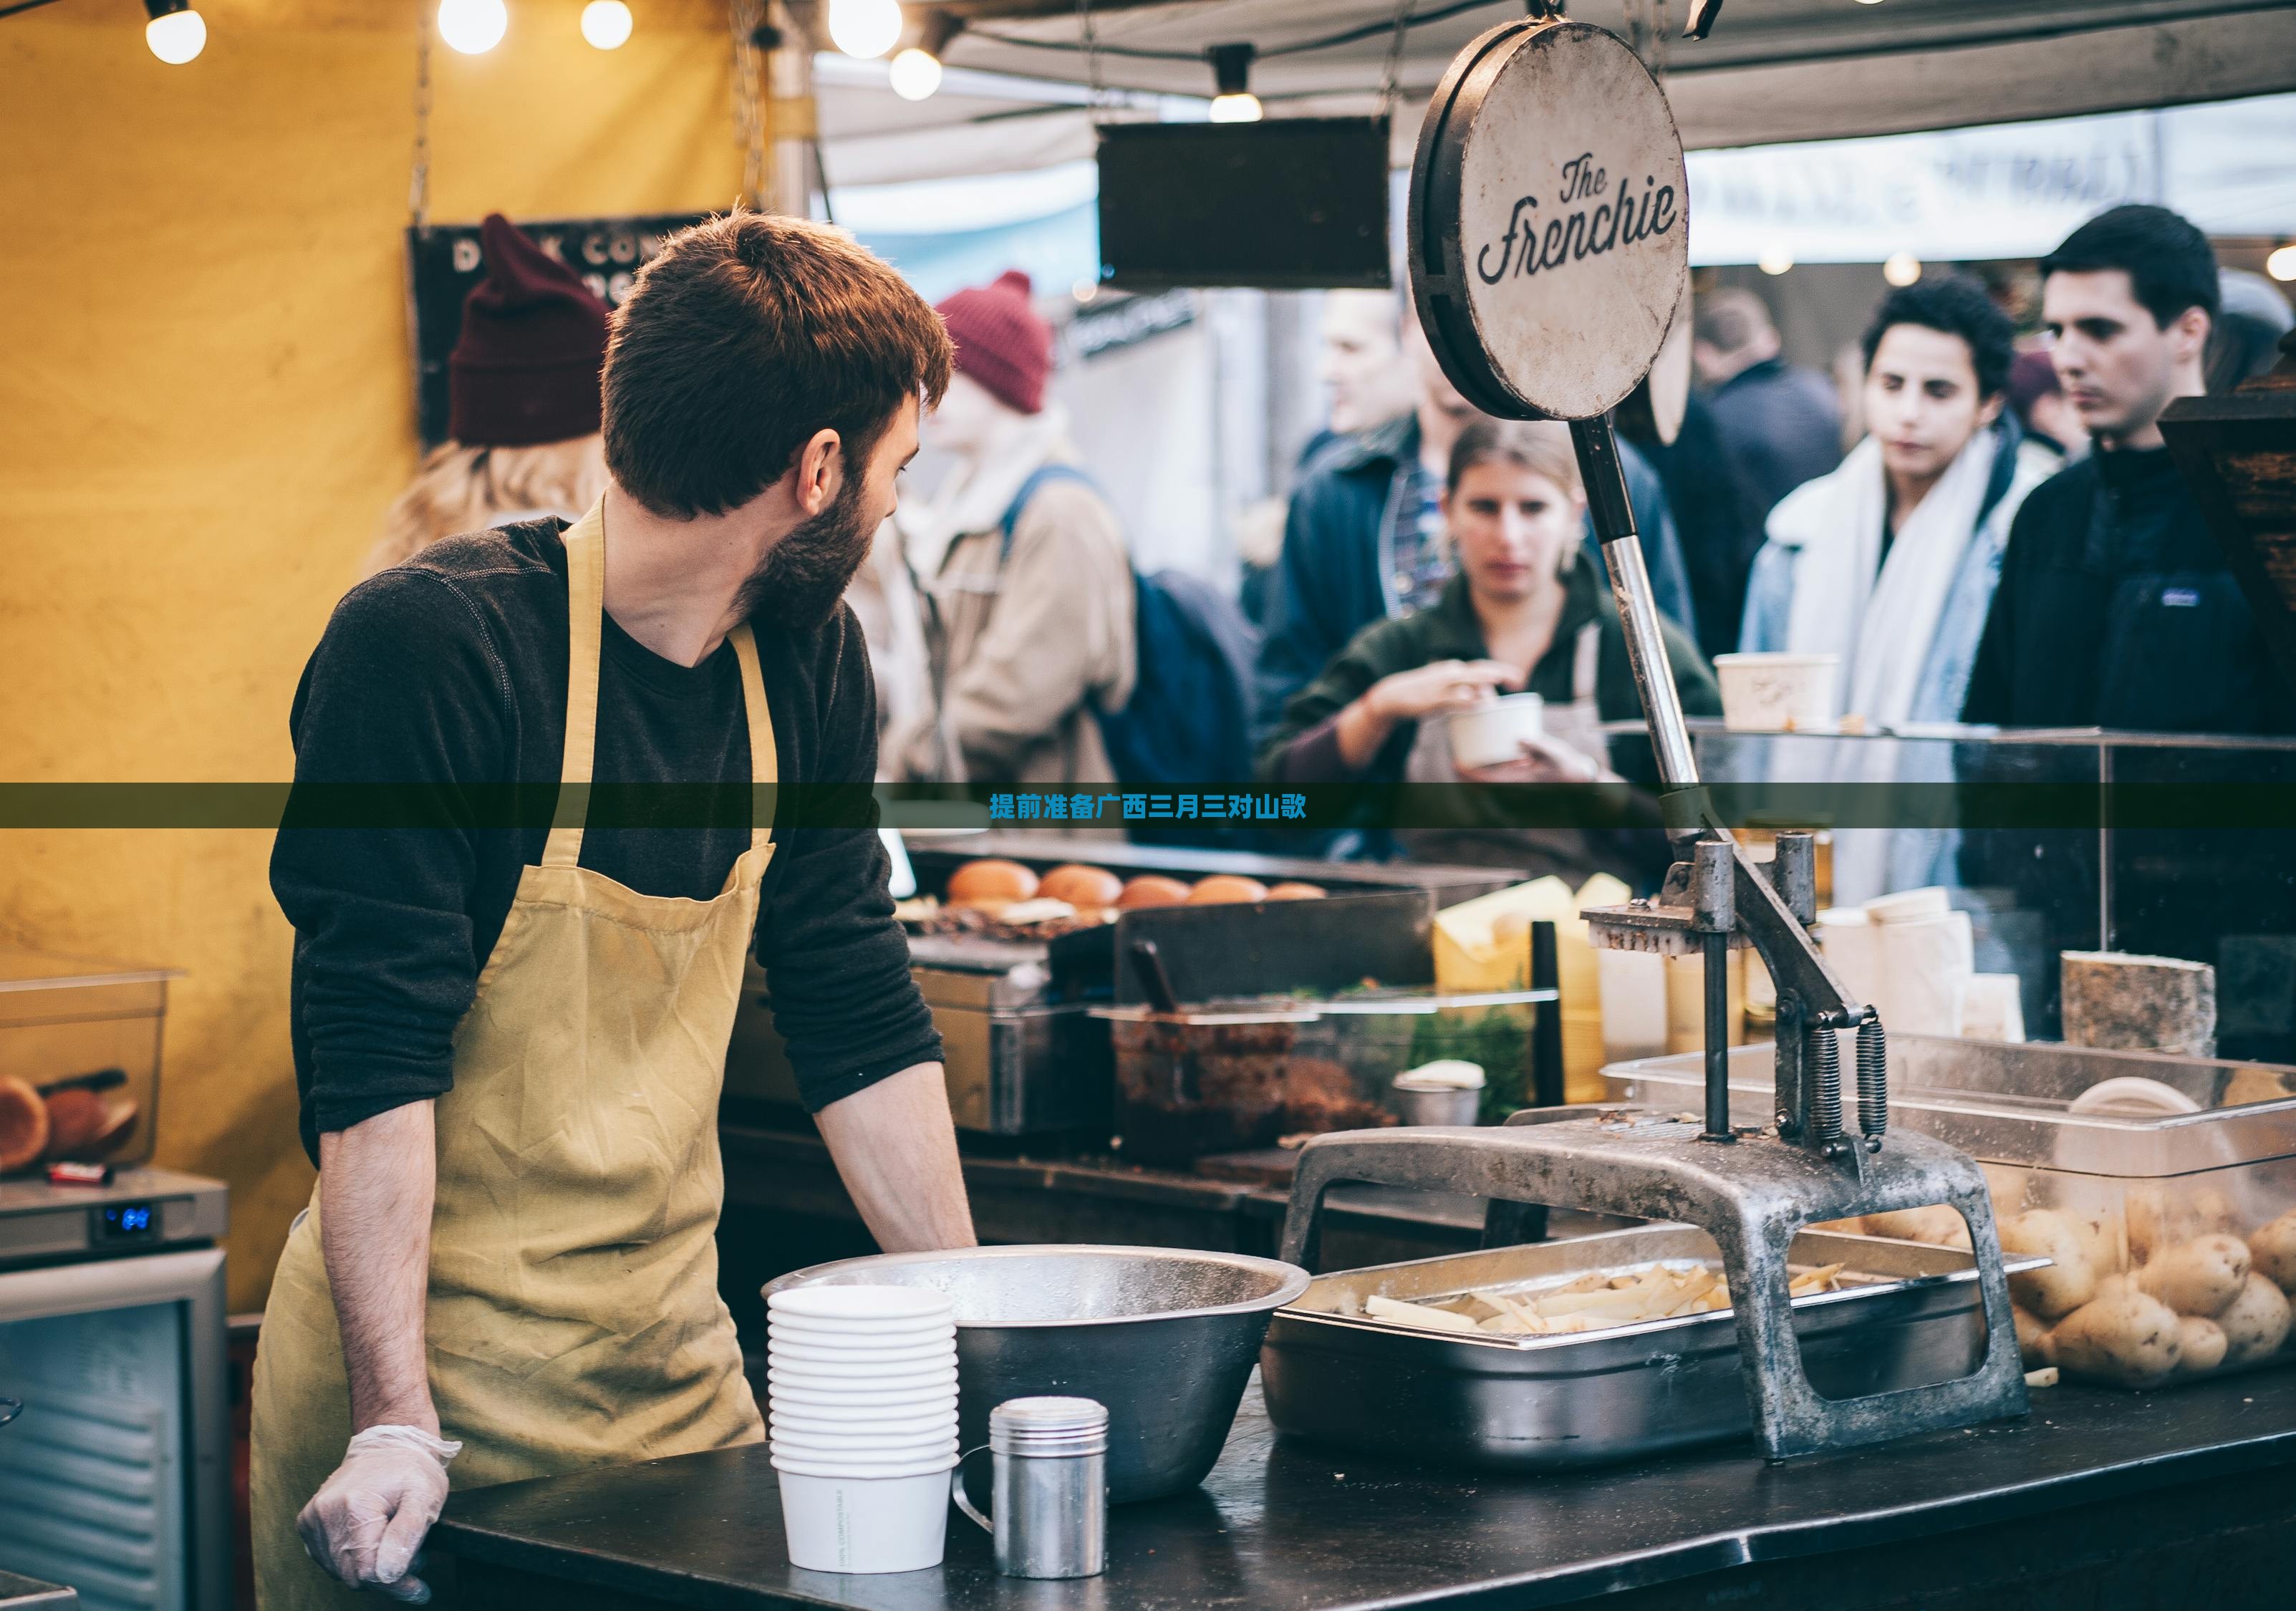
point(1997, 537)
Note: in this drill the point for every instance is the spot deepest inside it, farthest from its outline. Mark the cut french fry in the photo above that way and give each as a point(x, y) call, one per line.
point(1417, 1314)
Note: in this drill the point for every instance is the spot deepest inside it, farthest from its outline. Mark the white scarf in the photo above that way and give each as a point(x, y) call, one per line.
point(981, 487)
point(1879, 625)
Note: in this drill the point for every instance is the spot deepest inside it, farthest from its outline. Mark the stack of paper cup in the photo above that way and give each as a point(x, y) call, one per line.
point(861, 1394)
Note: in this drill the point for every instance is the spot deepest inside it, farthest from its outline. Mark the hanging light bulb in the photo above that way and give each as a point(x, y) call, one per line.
point(1902, 269)
point(472, 27)
point(606, 24)
point(916, 74)
point(2282, 264)
point(1775, 259)
point(1232, 75)
point(866, 29)
point(916, 70)
point(176, 32)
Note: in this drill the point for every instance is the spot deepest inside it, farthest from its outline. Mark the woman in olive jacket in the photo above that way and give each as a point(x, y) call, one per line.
point(1525, 612)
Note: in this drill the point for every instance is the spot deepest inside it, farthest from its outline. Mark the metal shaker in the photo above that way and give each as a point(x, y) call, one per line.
point(1050, 1489)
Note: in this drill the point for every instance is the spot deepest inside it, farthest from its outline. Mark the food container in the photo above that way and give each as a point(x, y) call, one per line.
point(1910, 1315)
point(2182, 1208)
point(1197, 1082)
point(84, 1036)
point(1775, 692)
point(1492, 734)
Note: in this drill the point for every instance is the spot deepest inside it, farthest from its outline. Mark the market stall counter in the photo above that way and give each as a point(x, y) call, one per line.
point(2100, 1499)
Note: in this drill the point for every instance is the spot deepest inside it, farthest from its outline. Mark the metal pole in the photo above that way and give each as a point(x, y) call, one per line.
point(1622, 553)
point(1718, 1037)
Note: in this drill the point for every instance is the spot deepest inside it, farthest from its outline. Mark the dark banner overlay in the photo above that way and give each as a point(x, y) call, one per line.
point(1968, 806)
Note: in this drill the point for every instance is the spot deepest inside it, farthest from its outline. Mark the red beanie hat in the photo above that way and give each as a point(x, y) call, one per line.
point(1002, 342)
point(524, 368)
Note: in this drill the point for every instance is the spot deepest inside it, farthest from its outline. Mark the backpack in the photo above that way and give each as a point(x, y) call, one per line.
point(1188, 720)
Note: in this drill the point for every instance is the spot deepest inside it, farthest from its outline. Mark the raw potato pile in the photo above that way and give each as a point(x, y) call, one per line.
point(2165, 1290)
point(1594, 1302)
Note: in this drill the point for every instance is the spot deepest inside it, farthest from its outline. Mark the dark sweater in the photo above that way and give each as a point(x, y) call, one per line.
point(451, 669)
point(2115, 609)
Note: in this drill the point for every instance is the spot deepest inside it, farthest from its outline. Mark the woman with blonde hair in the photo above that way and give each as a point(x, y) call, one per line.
point(523, 405)
point(1524, 611)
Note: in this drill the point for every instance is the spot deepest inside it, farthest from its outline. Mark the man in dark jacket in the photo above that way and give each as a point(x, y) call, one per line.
point(1781, 425)
point(2115, 608)
point(1363, 540)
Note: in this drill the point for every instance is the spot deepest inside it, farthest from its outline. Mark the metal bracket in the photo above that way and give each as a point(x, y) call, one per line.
point(1751, 1198)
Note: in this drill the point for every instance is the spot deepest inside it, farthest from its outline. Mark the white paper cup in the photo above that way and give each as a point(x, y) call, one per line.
point(881, 1332)
point(861, 1305)
point(787, 1418)
point(865, 1524)
point(1493, 734)
point(864, 1457)
point(907, 1353)
point(1778, 693)
point(818, 1376)
point(861, 1395)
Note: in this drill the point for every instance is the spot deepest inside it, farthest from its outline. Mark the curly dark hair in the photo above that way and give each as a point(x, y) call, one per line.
point(744, 336)
point(1956, 305)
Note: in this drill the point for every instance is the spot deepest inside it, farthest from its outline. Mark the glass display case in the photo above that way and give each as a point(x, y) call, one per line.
point(2178, 846)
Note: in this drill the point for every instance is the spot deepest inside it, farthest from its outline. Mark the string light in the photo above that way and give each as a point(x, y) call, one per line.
point(866, 29)
point(1902, 269)
point(2282, 264)
point(606, 24)
point(1231, 76)
point(916, 71)
point(176, 33)
point(472, 27)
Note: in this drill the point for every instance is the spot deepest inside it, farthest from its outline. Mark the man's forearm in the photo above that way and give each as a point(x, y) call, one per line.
point(376, 1182)
point(895, 1148)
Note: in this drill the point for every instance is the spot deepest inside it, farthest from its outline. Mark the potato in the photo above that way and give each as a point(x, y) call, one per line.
point(2113, 1286)
point(2201, 1345)
point(2210, 1212)
point(2033, 1344)
point(1937, 1224)
point(2159, 1219)
point(2147, 1214)
point(2068, 1281)
point(2199, 1277)
point(2272, 1251)
point(2130, 1340)
point(2256, 1323)
point(2100, 1236)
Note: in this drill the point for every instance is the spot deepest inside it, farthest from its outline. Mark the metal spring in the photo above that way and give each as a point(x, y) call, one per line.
point(1872, 1083)
point(1825, 1087)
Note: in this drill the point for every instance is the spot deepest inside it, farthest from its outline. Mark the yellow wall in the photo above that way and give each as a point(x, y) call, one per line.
point(205, 403)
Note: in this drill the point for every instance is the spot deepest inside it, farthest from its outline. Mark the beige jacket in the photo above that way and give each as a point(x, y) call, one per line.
point(1024, 648)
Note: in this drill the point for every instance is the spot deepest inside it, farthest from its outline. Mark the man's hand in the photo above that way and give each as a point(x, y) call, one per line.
point(367, 1520)
point(895, 1148)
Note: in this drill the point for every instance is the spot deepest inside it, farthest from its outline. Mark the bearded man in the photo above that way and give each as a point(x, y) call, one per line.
point(511, 1005)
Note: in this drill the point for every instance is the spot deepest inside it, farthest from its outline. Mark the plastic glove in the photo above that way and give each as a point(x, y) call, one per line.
point(366, 1521)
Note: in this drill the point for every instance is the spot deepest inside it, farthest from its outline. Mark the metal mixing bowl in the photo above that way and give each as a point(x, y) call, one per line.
point(1165, 1337)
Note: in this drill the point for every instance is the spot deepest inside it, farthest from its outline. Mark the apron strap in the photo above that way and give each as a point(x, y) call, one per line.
point(764, 761)
point(585, 603)
point(1586, 658)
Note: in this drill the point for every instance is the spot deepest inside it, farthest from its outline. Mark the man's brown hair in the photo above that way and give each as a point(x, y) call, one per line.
point(744, 336)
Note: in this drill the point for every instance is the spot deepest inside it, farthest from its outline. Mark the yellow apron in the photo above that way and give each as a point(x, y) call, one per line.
point(573, 1317)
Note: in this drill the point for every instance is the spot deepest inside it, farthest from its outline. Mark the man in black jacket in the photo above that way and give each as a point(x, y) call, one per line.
point(2115, 608)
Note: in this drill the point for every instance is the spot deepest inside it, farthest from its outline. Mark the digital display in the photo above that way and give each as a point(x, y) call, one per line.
point(1289, 203)
point(128, 1223)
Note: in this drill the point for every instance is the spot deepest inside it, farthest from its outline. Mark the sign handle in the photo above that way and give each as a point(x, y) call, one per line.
point(1622, 552)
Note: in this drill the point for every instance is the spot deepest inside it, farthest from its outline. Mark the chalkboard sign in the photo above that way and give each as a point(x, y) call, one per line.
point(444, 262)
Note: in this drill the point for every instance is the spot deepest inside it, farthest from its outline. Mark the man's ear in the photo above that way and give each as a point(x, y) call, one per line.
point(2192, 333)
point(1989, 411)
point(820, 468)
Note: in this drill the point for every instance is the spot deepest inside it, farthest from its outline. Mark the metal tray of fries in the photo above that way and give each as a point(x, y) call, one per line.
point(1573, 1380)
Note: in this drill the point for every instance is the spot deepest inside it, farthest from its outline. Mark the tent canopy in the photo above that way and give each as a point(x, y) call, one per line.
point(1774, 71)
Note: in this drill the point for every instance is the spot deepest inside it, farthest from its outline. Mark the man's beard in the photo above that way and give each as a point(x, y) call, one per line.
point(798, 587)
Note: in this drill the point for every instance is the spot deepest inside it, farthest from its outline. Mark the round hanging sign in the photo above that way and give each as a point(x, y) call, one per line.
point(1550, 232)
